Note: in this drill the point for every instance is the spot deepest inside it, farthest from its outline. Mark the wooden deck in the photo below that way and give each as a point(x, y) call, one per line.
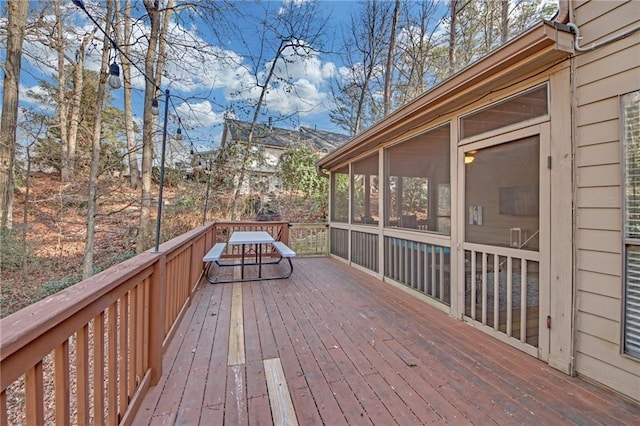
point(332, 345)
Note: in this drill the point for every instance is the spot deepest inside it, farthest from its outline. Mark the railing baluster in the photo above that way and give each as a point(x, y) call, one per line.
point(133, 339)
point(474, 272)
point(82, 371)
point(496, 292)
point(509, 296)
point(432, 288)
point(123, 336)
point(484, 287)
point(523, 300)
point(112, 365)
point(139, 333)
point(442, 280)
point(34, 395)
point(61, 372)
point(98, 369)
point(4, 421)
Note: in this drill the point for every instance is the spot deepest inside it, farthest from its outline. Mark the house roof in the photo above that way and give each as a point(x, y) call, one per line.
point(540, 47)
point(319, 140)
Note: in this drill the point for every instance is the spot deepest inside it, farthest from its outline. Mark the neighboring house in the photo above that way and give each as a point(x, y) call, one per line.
point(509, 195)
point(270, 143)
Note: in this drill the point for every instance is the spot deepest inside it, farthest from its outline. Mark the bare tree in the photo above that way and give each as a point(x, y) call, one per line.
point(419, 54)
point(390, 54)
point(16, 25)
point(364, 56)
point(504, 21)
point(153, 68)
point(92, 202)
point(123, 36)
point(34, 126)
point(76, 104)
point(60, 46)
point(453, 13)
point(287, 35)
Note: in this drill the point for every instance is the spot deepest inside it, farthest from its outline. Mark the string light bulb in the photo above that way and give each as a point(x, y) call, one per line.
point(154, 106)
point(114, 76)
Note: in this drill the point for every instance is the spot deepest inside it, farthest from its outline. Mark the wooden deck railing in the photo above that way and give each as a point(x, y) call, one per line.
point(306, 239)
point(89, 353)
point(223, 230)
point(309, 239)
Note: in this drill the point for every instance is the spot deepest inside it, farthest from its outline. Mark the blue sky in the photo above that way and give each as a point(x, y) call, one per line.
point(204, 87)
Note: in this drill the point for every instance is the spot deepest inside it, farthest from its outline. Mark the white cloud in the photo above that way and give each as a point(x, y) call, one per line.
point(199, 114)
point(207, 72)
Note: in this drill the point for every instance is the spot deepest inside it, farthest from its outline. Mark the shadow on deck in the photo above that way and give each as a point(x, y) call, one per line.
point(332, 345)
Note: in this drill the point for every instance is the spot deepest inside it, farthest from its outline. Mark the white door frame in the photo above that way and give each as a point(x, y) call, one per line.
point(543, 131)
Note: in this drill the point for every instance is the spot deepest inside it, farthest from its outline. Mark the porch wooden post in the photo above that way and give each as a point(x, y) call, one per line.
point(285, 232)
point(367, 192)
point(156, 317)
point(399, 195)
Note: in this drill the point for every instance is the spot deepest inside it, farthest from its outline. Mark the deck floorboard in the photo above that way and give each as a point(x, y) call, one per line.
point(356, 351)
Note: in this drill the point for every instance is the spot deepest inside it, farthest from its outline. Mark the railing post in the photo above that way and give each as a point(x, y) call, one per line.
point(285, 232)
point(156, 317)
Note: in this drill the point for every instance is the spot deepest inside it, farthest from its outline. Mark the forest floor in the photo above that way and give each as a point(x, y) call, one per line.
point(49, 256)
point(55, 221)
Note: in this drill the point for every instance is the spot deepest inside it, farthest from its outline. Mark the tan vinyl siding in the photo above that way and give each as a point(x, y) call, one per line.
point(612, 376)
point(606, 219)
point(600, 262)
point(601, 349)
point(605, 285)
point(600, 327)
point(597, 112)
point(601, 77)
point(592, 134)
point(599, 240)
point(600, 175)
point(600, 19)
point(608, 196)
point(601, 306)
point(604, 152)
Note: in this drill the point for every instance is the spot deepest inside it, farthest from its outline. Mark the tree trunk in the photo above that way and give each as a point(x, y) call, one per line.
point(92, 202)
point(124, 43)
point(254, 121)
point(76, 101)
point(504, 21)
point(144, 231)
point(452, 36)
point(153, 67)
point(16, 25)
point(60, 45)
point(25, 216)
point(388, 73)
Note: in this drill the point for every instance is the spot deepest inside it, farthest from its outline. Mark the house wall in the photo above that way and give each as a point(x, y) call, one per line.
point(601, 76)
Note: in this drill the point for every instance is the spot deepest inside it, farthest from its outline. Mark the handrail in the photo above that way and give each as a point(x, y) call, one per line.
point(104, 336)
point(309, 239)
point(122, 317)
point(223, 230)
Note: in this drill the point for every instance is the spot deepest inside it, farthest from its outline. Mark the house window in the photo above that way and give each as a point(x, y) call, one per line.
point(630, 107)
point(365, 190)
point(340, 195)
point(530, 104)
point(417, 187)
